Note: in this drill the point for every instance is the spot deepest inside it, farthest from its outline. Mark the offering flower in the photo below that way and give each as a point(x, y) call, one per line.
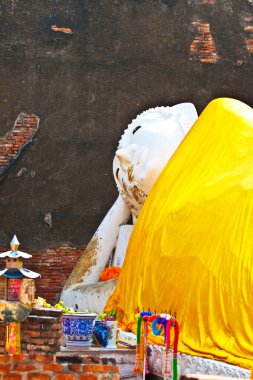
point(110, 273)
point(110, 316)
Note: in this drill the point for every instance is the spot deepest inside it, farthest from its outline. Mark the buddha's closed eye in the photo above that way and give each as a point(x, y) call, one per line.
point(136, 129)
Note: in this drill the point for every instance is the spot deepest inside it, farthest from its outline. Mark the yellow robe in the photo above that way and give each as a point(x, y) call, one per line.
point(191, 250)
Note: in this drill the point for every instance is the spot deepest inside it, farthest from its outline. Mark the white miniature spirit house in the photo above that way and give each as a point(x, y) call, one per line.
point(17, 291)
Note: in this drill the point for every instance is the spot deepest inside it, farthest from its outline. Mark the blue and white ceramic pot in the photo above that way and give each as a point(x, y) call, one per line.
point(78, 328)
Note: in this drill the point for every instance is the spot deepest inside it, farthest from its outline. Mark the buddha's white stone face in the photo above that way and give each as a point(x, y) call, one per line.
point(145, 148)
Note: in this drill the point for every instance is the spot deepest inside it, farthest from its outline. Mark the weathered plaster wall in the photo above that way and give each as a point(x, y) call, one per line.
point(86, 82)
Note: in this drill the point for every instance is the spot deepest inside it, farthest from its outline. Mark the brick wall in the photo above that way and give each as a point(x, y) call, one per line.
point(50, 367)
point(249, 38)
point(14, 141)
point(203, 47)
point(54, 264)
point(41, 332)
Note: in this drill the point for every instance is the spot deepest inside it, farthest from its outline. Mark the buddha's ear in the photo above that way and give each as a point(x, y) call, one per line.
point(125, 155)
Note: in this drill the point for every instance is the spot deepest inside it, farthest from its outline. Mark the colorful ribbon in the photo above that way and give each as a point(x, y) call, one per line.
point(12, 344)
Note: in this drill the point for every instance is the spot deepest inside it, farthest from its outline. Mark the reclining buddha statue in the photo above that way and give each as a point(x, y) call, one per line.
point(191, 250)
point(144, 149)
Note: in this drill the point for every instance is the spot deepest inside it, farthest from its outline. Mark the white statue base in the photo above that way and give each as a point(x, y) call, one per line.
point(188, 364)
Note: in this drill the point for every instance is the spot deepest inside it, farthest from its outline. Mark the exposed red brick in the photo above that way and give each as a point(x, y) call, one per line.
point(12, 376)
point(208, 2)
point(45, 262)
point(54, 367)
point(99, 368)
point(22, 133)
point(52, 341)
point(36, 337)
point(75, 367)
point(92, 359)
point(66, 376)
point(248, 28)
point(39, 342)
point(249, 39)
point(51, 312)
point(51, 334)
point(43, 367)
point(42, 348)
point(31, 333)
point(38, 376)
point(88, 377)
point(56, 326)
point(19, 358)
point(47, 320)
point(203, 47)
point(4, 358)
point(66, 358)
point(24, 367)
point(4, 368)
point(49, 285)
point(42, 358)
point(32, 319)
point(249, 44)
point(27, 325)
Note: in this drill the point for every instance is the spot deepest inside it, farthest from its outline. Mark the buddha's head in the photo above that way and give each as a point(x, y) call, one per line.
point(145, 147)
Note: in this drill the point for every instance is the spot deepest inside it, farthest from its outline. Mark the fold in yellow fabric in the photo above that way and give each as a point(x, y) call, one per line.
point(191, 250)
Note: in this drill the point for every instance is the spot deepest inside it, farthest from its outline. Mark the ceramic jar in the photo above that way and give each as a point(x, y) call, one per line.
point(78, 328)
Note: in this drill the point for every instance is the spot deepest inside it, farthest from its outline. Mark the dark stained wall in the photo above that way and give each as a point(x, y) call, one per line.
point(122, 57)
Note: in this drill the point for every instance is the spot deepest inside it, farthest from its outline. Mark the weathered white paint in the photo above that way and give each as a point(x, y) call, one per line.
point(100, 247)
point(125, 232)
point(144, 149)
point(90, 297)
point(107, 234)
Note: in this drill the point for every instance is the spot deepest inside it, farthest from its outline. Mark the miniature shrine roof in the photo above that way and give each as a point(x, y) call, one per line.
point(11, 273)
point(18, 273)
point(15, 254)
point(29, 273)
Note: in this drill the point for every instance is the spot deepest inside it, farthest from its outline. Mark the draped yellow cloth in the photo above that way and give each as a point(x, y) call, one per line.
point(191, 250)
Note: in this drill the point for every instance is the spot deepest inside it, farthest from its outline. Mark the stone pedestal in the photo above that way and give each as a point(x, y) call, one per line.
point(123, 357)
point(125, 360)
point(51, 367)
point(41, 332)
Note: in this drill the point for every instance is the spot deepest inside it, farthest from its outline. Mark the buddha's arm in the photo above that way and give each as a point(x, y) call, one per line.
point(99, 249)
